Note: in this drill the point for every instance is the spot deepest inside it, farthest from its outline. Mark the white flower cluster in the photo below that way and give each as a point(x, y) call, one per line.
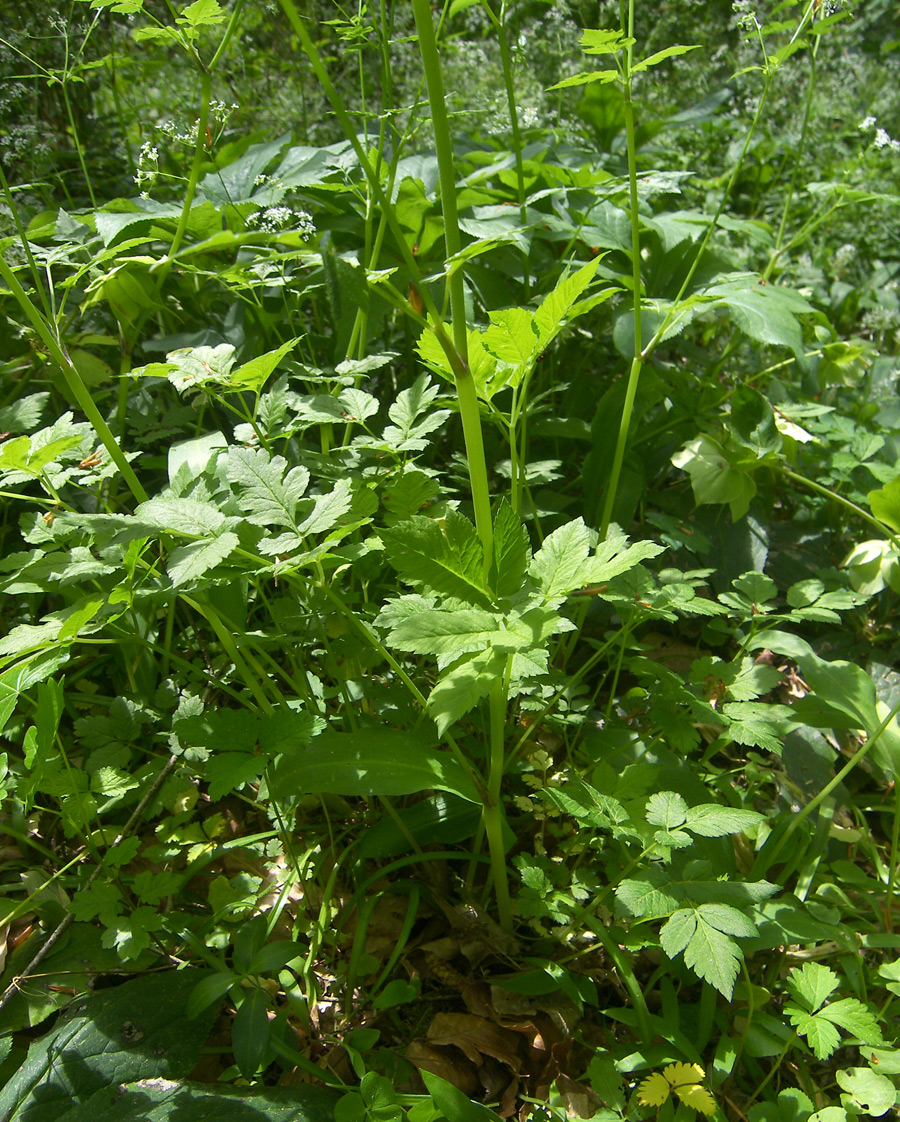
point(883, 138)
point(275, 219)
point(147, 169)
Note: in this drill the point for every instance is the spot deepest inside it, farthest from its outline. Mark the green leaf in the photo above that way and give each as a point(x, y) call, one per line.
point(511, 551)
point(604, 77)
point(268, 493)
point(885, 504)
point(854, 1018)
point(329, 509)
point(557, 565)
point(553, 311)
point(666, 808)
point(190, 562)
point(867, 1091)
point(452, 1103)
point(164, 1100)
point(254, 374)
point(821, 1036)
point(712, 821)
point(757, 724)
point(513, 337)
point(812, 984)
point(138, 1030)
point(753, 422)
point(463, 685)
point(652, 895)
point(169, 515)
point(586, 804)
point(713, 478)
point(250, 1031)
point(370, 761)
point(229, 771)
point(202, 13)
point(437, 632)
point(767, 313)
point(210, 989)
point(605, 41)
point(661, 56)
point(613, 557)
point(447, 560)
point(703, 935)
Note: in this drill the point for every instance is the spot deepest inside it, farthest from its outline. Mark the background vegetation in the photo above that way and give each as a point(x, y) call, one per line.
point(450, 551)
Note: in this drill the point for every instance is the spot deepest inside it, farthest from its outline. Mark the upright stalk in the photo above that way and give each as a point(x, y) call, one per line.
point(634, 375)
point(499, 23)
point(465, 383)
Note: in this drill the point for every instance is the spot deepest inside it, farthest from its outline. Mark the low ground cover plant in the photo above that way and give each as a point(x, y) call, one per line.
point(450, 571)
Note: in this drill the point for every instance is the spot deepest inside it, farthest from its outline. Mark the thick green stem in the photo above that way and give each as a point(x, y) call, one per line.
point(499, 23)
point(493, 808)
point(465, 384)
point(638, 360)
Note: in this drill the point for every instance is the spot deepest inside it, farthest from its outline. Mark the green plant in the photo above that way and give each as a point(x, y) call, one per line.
point(450, 624)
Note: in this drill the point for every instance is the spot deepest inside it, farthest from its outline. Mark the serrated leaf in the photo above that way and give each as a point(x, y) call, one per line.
point(329, 509)
point(661, 56)
point(604, 77)
point(448, 560)
point(552, 313)
point(512, 337)
point(189, 562)
point(697, 1098)
point(438, 632)
point(254, 374)
point(712, 821)
point(821, 1036)
point(605, 41)
point(557, 565)
point(611, 560)
point(853, 1017)
point(758, 725)
point(654, 1090)
point(411, 403)
point(463, 685)
point(666, 808)
point(812, 984)
point(586, 804)
point(648, 896)
point(229, 771)
point(703, 935)
point(511, 551)
point(713, 956)
point(684, 1080)
point(170, 515)
point(267, 494)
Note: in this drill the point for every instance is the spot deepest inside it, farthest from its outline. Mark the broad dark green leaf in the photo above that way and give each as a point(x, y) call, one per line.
point(165, 1100)
point(138, 1030)
point(371, 761)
